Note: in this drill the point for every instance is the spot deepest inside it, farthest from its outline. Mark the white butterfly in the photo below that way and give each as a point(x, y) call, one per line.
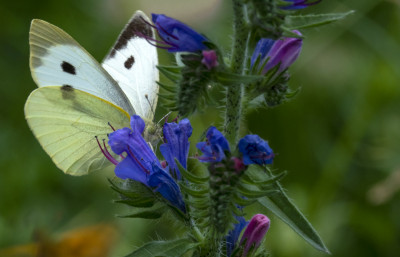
point(78, 99)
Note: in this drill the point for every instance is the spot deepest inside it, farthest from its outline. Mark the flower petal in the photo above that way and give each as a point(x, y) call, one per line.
point(262, 48)
point(128, 168)
point(179, 36)
point(177, 144)
point(163, 183)
point(215, 147)
point(233, 235)
point(137, 124)
point(118, 140)
point(255, 150)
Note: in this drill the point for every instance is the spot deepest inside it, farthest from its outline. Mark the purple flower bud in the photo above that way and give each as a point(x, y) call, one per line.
point(298, 4)
point(254, 233)
point(238, 164)
point(281, 52)
point(210, 59)
point(255, 150)
point(177, 36)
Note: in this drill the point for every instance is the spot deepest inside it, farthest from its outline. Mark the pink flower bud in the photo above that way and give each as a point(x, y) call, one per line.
point(254, 233)
point(210, 59)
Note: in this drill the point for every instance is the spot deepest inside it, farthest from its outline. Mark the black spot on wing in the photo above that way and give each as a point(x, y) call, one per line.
point(67, 92)
point(67, 88)
point(137, 27)
point(68, 68)
point(129, 62)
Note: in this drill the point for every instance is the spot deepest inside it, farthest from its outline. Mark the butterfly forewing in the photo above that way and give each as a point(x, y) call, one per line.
point(66, 120)
point(132, 63)
point(58, 60)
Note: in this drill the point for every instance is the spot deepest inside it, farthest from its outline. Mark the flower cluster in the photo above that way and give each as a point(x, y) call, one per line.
point(141, 164)
point(253, 149)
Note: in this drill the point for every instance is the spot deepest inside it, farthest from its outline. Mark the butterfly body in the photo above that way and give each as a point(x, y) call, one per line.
point(79, 100)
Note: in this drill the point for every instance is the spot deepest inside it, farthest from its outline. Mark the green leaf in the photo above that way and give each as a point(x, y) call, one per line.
point(173, 73)
point(174, 248)
point(141, 202)
point(190, 176)
point(312, 20)
point(243, 201)
point(229, 78)
point(149, 213)
point(280, 204)
point(258, 177)
point(131, 188)
point(250, 191)
point(194, 192)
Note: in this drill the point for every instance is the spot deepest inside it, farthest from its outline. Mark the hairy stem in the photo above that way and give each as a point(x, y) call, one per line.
point(234, 93)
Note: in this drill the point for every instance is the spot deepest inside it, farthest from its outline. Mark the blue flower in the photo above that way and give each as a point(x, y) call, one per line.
point(215, 146)
point(281, 52)
point(233, 235)
point(255, 150)
point(177, 36)
point(177, 145)
point(298, 4)
point(140, 162)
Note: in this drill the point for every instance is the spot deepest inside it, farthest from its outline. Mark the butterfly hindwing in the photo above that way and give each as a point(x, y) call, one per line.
point(132, 63)
point(58, 60)
point(66, 120)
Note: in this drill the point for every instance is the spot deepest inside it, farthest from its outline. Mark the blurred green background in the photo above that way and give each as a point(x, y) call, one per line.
point(339, 139)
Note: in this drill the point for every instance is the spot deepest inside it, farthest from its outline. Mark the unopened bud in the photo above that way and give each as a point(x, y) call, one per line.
point(254, 233)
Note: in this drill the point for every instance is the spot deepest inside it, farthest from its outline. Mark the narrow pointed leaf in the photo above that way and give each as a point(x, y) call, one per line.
point(154, 212)
point(312, 20)
point(280, 204)
point(133, 193)
point(242, 201)
point(140, 202)
point(254, 192)
point(228, 78)
point(194, 192)
point(253, 177)
point(190, 176)
point(174, 248)
point(172, 69)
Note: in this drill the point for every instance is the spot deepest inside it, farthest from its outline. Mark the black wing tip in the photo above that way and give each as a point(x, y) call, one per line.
point(138, 26)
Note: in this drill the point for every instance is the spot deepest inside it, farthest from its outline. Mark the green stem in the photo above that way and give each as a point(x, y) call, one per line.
point(235, 92)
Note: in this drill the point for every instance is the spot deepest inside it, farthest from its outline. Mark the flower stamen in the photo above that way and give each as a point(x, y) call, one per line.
point(109, 124)
point(106, 153)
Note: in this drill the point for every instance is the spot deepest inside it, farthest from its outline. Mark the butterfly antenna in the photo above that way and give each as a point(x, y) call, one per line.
point(151, 105)
point(164, 118)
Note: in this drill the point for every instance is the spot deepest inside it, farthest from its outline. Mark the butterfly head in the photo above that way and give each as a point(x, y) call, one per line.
point(152, 133)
